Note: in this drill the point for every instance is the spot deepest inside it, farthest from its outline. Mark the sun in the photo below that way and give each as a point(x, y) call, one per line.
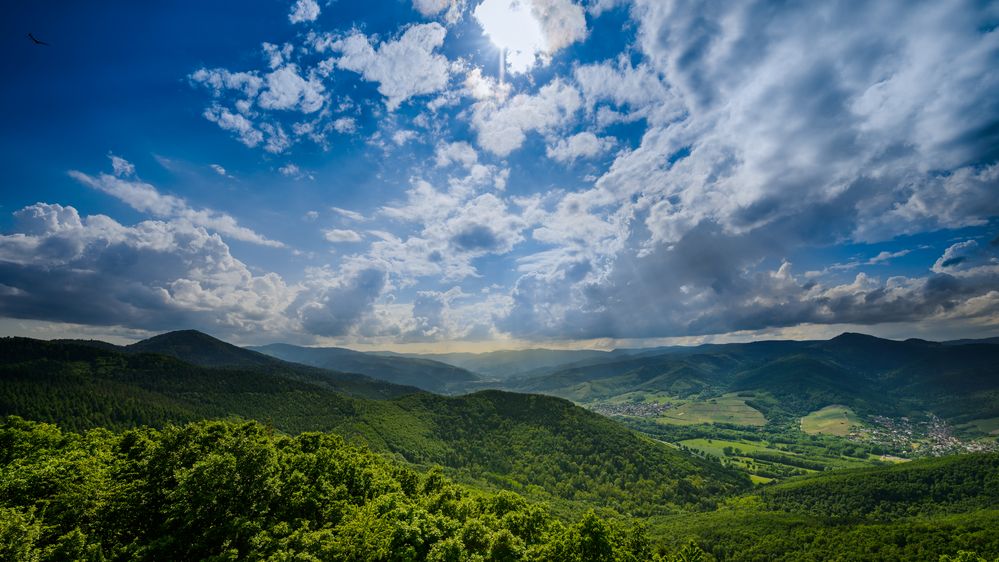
point(514, 28)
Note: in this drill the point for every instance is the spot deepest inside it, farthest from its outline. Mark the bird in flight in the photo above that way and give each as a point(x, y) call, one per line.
point(37, 41)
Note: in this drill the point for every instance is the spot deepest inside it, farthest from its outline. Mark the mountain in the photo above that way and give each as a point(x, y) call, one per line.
point(544, 446)
point(506, 364)
point(200, 349)
point(988, 341)
point(869, 374)
point(421, 373)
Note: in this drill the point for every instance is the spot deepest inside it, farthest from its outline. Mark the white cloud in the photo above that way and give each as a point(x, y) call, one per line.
point(345, 125)
point(402, 136)
point(581, 145)
point(455, 152)
point(293, 171)
point(348, 214)
point(219, 170)
point(145, 198)
point(337, 235)
point(403, 68)
point(287, 90)
point(638, 90)
point(304, 11)
point(430, 8)
point(235, 123)
point(310, 216)
point(502, 127)
point(220, 80)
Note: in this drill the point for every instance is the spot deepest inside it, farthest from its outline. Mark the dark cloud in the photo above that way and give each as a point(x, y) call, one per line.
point(340, 308)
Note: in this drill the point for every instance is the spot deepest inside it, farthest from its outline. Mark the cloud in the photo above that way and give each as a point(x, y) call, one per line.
point(304, 11)
point(155, 275)
point(293, 171)
point(707, 284)
point(632, 91)
point(342, 305)
point(338, 236)
point(449, 229)
point(455, 153)
point(403, 68)
point(236, 123)
point(531, 31)
point(146, 198)
point(502, 127)
point(218, 170)
point(403, 136)
point(580, 145)
point(430, 8)
point(348, 214)
point(784, 130)
point(287, 90)
point(345, 125)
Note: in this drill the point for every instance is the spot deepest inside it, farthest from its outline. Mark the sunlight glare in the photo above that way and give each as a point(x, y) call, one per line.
point(512, 26)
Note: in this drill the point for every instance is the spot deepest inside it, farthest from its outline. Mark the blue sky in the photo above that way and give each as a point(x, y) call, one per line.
point(370, 174)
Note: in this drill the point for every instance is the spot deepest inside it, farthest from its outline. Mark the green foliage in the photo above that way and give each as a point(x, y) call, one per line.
point(227, 491)
point(931, 486)
point(544, 447)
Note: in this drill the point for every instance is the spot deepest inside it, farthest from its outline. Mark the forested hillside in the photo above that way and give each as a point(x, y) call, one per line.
point(870, 375)
point(543, 446)
point(225, 491)
point(915, 511)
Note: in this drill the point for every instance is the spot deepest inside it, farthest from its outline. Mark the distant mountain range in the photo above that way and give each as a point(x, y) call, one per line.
point(422, 373)
point(957, 380)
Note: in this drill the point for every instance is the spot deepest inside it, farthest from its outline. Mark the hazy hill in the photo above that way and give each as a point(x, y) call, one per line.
point(508, 364)
point(419, 372)
point(545, 446)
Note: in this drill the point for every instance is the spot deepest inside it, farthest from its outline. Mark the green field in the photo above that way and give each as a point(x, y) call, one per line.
point(831, 420)
point(989, 426)
point(728, 408)
point(716, 446)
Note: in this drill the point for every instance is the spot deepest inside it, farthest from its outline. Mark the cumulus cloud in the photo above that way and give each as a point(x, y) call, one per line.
point(344, 303)
point(502, 126)
point(404, 68)
point(287, 90)
point(580, 145)
point(455, 153)
point(450, 229)
point(144, 197)
point(304, 11)
point(155, 275)
point(252, 104)
point(430, 8)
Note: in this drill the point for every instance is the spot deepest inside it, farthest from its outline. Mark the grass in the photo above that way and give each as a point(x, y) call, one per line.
point(831, 420)
point(988, 426)
point(716, 446)
point(729, 408)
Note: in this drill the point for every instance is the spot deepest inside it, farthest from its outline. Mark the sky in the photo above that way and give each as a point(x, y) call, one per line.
point(434, 175)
